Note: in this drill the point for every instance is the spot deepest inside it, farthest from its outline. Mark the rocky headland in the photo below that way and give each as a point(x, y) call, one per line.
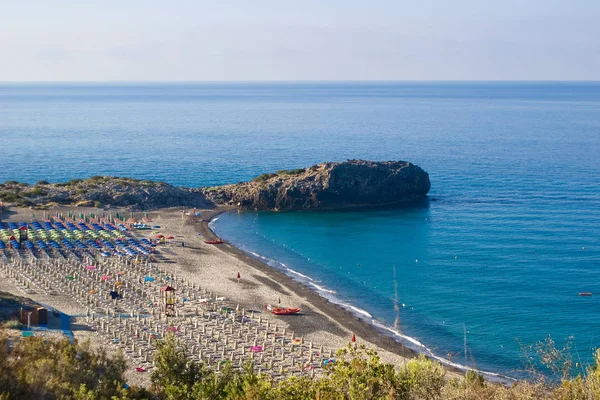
point(325, 186)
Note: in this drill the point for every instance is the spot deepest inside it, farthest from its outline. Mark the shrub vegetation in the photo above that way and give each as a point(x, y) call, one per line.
point(35, 192)
point(37, 369)
point(297, 171)
point(263, 177)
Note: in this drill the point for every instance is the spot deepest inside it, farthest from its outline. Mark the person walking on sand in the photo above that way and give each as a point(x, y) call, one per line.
point(238, 277)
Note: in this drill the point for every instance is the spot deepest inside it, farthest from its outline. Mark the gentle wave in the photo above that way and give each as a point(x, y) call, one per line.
point(211, 223)
point(322, 289)
point(356, 310)
point(305, 279)
point(299, 274)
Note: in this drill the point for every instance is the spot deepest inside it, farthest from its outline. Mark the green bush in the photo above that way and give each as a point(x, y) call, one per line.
point(36, 369)
point(35, 192)
point(11, 183)
point(43, 182)
point(97, 204)
point(12, 324)
point(263, 177)
point(74, 182)
point(297, 171)
point(10, 197)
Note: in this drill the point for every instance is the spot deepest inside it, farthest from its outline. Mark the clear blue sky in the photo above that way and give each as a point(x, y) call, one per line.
point(108, 40)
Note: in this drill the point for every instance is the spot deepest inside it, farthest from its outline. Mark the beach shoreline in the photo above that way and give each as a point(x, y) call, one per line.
point(321, 321)
point(342, 316)
point(375, 336)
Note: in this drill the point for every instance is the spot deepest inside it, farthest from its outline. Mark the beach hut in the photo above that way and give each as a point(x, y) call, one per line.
point(168, 300)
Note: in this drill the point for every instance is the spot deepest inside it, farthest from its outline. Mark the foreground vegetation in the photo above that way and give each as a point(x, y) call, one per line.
point(37, 369)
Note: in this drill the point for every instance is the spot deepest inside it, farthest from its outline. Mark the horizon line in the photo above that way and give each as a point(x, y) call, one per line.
point(302, 81)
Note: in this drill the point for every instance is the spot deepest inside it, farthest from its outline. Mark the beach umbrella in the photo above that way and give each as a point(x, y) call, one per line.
point(148, 279)
point(170, 237)
point(106, 277)
point(160, 236)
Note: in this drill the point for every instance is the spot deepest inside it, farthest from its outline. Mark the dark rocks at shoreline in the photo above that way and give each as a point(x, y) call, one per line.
point(328, 186)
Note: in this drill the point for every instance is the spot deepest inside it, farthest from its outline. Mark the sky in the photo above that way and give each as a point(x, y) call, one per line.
point(296, 40)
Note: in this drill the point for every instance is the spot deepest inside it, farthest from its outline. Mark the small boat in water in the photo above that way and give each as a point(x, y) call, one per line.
point(585, 294)
point(216, 241)
point(281, 310)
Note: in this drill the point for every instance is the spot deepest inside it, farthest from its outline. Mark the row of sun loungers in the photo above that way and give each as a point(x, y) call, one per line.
point(123, 304)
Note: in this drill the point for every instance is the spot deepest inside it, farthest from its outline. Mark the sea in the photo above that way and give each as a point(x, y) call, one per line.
point(491, 263)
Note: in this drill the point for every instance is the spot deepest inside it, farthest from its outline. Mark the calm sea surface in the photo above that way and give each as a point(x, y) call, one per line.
point(509, 237)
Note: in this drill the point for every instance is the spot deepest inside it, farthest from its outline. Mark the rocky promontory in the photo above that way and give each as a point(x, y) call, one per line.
point(327, 186)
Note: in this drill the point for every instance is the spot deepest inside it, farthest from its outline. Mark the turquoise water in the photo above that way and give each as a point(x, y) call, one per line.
point(505, 244)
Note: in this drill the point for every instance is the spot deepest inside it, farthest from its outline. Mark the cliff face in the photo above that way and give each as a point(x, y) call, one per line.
point(332, 185)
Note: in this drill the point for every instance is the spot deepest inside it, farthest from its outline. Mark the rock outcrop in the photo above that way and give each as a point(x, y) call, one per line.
point(326, 186)
point(332, 185)
point(102, 191)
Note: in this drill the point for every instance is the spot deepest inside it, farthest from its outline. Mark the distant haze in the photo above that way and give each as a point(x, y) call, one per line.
point(222, 40)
